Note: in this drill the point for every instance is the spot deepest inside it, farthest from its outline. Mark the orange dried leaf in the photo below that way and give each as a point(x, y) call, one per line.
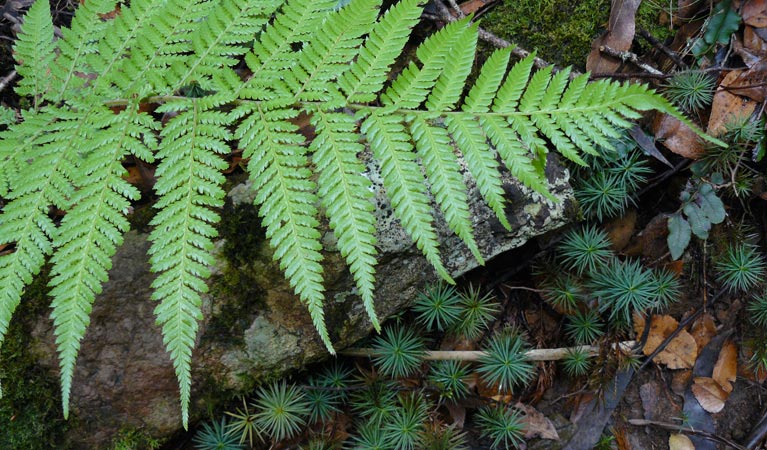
point(703, 330)
point(709, 394)
point(619, 36)
point(726, 367)
point(728, 107)
point(680, 353)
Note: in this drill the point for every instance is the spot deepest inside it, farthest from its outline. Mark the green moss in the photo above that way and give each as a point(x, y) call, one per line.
point(134, 439)
point(244, 244)
point(561, 32)
point(649, 18)
point(30, 409)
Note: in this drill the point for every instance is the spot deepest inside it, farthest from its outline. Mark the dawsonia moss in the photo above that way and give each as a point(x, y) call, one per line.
point(88, 112)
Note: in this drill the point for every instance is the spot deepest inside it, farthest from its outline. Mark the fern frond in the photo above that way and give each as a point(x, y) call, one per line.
point(485, 88)
point(481, 161)
point(404, 183)
point(133, 24)
point(449, 87)
point(79, 41)
point(34, 51)
point(48, 168)
point(91, 231)
point(330, 50)
point(412, 86)
point(272, 53)
point(346, 196)
point(189, 184)
point(166, 49)
point(221, 39)
point(444, 175)
point(286, 197)
point(367, 75)
point(7, 115)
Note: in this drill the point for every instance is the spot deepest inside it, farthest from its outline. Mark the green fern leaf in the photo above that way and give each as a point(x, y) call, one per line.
point(449, 87)
point(272, 53)
point(90, 233)
point(481, 161)
point(286, 198)
point(444, 175)
point(509, 94)
point(330, 50)
point(347, 198)
point(404, 183)
point(7, 115)
point(189, 184)
point(486, 87)
point(48, 167)
point(34, 51)
point(367, 75)
point(79, 41)
point(220, 40)
point(412, 86)
point(151, 59)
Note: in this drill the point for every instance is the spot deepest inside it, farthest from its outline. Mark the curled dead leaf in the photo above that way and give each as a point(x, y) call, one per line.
point(709, 394)
point(726, 367)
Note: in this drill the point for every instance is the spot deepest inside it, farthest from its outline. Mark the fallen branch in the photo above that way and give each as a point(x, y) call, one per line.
point(6, 80)
point(542, 354)
point(631, 57)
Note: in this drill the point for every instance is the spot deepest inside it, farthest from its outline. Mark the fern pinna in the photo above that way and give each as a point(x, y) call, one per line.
point(303, 57)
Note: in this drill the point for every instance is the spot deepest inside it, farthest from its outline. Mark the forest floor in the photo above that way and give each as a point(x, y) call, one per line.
point(702, 388)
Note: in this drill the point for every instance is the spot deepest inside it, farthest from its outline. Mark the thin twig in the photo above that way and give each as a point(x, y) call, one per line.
point(6, 80)
point(687, 430)
point(666, 51)
point(629, 56)
point(542, 354)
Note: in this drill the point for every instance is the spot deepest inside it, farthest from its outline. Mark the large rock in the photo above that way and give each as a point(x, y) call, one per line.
point(254, 325)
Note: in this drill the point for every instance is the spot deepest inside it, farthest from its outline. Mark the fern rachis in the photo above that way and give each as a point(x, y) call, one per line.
point(303, 57)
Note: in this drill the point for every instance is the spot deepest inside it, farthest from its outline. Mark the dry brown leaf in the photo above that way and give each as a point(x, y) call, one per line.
point(680, 442)
point(754, 13)
point(538, 425)
point(677, 137)
point(751, 83)
point(728, 107)
point(753, 42)
point(457, 413)
point(620, 230)
point(680, 380)
point(709, 394)
point(703, 330)
point(619, 36)
point(472, 6)
point(680, 353)
point(726, 367)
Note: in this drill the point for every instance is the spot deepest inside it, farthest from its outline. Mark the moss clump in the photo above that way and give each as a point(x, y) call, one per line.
point(561, 32)
point(30, 408)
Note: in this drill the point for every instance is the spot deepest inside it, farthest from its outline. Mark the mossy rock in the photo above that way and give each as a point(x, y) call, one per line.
point(562, 32)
